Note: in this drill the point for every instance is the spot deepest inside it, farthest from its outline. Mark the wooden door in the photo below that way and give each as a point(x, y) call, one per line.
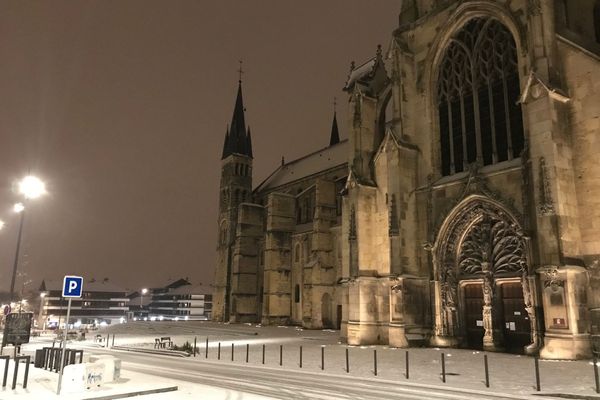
point(473, 313)
point(516, 326)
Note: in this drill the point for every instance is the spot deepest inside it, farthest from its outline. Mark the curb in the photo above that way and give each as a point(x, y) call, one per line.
point(133, 394)
point(172, 353)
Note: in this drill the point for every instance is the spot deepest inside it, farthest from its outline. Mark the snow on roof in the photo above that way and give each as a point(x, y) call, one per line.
point(360, 71)
point(191, 289)
point(320, 160)
point(88, 286)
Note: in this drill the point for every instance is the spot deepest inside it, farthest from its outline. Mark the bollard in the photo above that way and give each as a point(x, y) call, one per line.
point(487, 372)
point(5, 377)
point(107, 339)
point(375, 362)
point(443, 369)
point(206, 349)
point(537, 373)
point(322, 357)
point(219, 351)
point(407, 370)
point(232, 351)
point(247, 351)
point(300, 356)
point(347, 362)
point(195, 340)
point(280, 355)
point(263, 354)
point(596, 378)
point(113, 340)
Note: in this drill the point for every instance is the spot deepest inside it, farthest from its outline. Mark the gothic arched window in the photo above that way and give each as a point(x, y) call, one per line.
point(478, 89)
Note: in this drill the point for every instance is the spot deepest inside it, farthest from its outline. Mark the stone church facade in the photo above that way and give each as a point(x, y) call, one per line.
point(465, 207)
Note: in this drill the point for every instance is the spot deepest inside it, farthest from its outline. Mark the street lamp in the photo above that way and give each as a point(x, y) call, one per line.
point(143, 292)
point(30, 187)
point(41, 321)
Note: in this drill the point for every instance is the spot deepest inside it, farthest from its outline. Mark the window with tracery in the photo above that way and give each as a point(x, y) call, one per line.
point(478, 89)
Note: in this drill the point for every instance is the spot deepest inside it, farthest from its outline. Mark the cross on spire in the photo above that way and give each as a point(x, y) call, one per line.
point(241, 71)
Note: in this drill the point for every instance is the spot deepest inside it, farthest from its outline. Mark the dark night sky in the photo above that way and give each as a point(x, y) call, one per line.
point(121, 107)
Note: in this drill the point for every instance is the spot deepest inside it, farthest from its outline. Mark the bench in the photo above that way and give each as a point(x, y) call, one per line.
point(163, 342)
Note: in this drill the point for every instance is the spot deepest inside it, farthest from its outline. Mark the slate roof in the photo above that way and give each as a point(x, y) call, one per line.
point(311, 164)
point(96, 286)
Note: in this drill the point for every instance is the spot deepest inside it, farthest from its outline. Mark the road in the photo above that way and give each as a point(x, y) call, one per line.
point(286, 384)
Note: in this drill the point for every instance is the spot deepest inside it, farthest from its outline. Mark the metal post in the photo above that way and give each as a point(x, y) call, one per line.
point(232, 350)
point(16, 263)
point(247, 351)
point(107, 338)
point(26, 377)
point(347, 362)
point(300, 356)
point(263, 354)
point(487, 372)
point(5, 377)
point(15, 374)
point(407, 370)
point(375, 362)
point(443, 368)
point(113, 341)
point(596, 378)
point(219, 351)
point(64, 345)
point(280, 355)
point(206, 349)
point(322, 357)
point(537, 373)
point(195, 340)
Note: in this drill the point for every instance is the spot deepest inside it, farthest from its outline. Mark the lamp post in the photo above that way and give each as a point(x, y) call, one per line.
point(143, 292)
point(41, 321)
point(31, 188)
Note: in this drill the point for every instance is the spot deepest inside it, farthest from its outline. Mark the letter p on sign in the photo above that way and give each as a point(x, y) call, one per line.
point(72, 286)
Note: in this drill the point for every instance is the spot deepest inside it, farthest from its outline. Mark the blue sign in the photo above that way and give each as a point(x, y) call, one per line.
point(72, 286)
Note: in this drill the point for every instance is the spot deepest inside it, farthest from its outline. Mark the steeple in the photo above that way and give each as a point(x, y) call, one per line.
point(335, 134)
point(237, 139)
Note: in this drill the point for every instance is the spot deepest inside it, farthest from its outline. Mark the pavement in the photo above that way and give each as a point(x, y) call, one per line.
point(218, 377)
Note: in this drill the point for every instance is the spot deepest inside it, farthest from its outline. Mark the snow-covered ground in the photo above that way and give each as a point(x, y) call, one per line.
point(464, 368)
point(509, 374)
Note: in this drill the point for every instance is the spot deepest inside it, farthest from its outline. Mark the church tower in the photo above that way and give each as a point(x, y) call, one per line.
point(235, 188)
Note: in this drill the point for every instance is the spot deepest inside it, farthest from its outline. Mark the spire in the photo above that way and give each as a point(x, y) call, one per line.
point(237, 140)
point(335, 134)
point(249, 143)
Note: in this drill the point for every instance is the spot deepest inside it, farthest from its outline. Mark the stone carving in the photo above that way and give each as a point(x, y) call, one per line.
point(492, 246)
point(393, 217)
point(546, 205)
point(530, 309)
point(483, 240)
point(534, 7)
point(352, 233)
point(552, 278)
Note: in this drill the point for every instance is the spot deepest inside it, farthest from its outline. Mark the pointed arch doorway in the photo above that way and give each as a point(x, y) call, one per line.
point(483, 296)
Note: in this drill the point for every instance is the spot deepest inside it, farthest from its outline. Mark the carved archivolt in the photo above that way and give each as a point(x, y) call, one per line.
point(479, 238)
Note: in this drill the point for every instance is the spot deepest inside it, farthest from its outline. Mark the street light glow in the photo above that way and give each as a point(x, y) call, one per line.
point(18, 207)
point(1, 224)
point(32, 187)
point(144, 291)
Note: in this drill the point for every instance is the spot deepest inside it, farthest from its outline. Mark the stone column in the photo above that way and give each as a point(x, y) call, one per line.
point(278, 259)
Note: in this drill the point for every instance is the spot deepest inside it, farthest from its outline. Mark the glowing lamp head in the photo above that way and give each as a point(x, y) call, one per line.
point(32, 187)
point(1, 224)
point(19, 207)
point(144, 291)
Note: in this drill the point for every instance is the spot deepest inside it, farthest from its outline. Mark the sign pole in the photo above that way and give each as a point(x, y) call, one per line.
point(64, 345)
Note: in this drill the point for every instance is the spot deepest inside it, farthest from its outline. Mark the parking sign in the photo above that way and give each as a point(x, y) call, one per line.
point(72, 286)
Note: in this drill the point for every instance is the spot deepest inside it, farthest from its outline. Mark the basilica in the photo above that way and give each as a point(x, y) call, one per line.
point(463, 210)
